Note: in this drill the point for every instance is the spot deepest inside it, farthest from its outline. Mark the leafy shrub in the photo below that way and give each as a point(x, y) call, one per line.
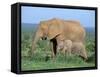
point(90, 45)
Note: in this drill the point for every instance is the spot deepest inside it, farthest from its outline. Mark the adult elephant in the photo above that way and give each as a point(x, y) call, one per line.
point(57, 29)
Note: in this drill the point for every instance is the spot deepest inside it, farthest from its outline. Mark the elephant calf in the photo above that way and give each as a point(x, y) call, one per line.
point(64, 46)
point(72, 47)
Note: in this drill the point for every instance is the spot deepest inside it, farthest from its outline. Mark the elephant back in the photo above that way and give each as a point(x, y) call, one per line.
point(74, 31)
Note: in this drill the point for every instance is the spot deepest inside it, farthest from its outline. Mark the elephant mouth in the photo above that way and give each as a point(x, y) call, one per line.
point(44, 38)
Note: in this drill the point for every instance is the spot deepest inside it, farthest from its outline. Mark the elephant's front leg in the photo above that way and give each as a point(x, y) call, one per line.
point(53, 49)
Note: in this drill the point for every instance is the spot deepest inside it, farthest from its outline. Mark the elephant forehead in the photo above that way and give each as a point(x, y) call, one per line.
point(44, 25)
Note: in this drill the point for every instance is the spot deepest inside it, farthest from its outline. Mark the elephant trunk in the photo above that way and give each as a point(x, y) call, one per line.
point(34, 42)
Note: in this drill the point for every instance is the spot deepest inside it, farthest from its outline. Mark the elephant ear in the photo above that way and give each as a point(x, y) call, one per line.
point(53, 31)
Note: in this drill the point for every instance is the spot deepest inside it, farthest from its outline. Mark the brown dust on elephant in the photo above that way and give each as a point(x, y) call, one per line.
point(58, 29)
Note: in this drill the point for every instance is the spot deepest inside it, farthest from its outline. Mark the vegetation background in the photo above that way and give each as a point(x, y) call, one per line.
point(39, 62)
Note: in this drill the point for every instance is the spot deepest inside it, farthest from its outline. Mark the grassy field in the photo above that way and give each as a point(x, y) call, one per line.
point(41, 59)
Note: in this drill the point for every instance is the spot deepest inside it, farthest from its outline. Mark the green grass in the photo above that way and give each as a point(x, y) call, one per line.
point(39, 62)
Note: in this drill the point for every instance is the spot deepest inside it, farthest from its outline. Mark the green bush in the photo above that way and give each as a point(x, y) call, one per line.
point(42, 52)
point(90, 45)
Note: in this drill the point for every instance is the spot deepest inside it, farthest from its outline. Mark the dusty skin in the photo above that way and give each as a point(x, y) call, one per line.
point(57, 29)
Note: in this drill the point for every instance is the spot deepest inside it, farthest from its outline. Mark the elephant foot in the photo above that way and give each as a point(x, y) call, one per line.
point(53, 57)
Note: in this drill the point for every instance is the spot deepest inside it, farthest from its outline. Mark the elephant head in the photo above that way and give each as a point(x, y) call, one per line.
point(51, 28)
point(46, 29)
